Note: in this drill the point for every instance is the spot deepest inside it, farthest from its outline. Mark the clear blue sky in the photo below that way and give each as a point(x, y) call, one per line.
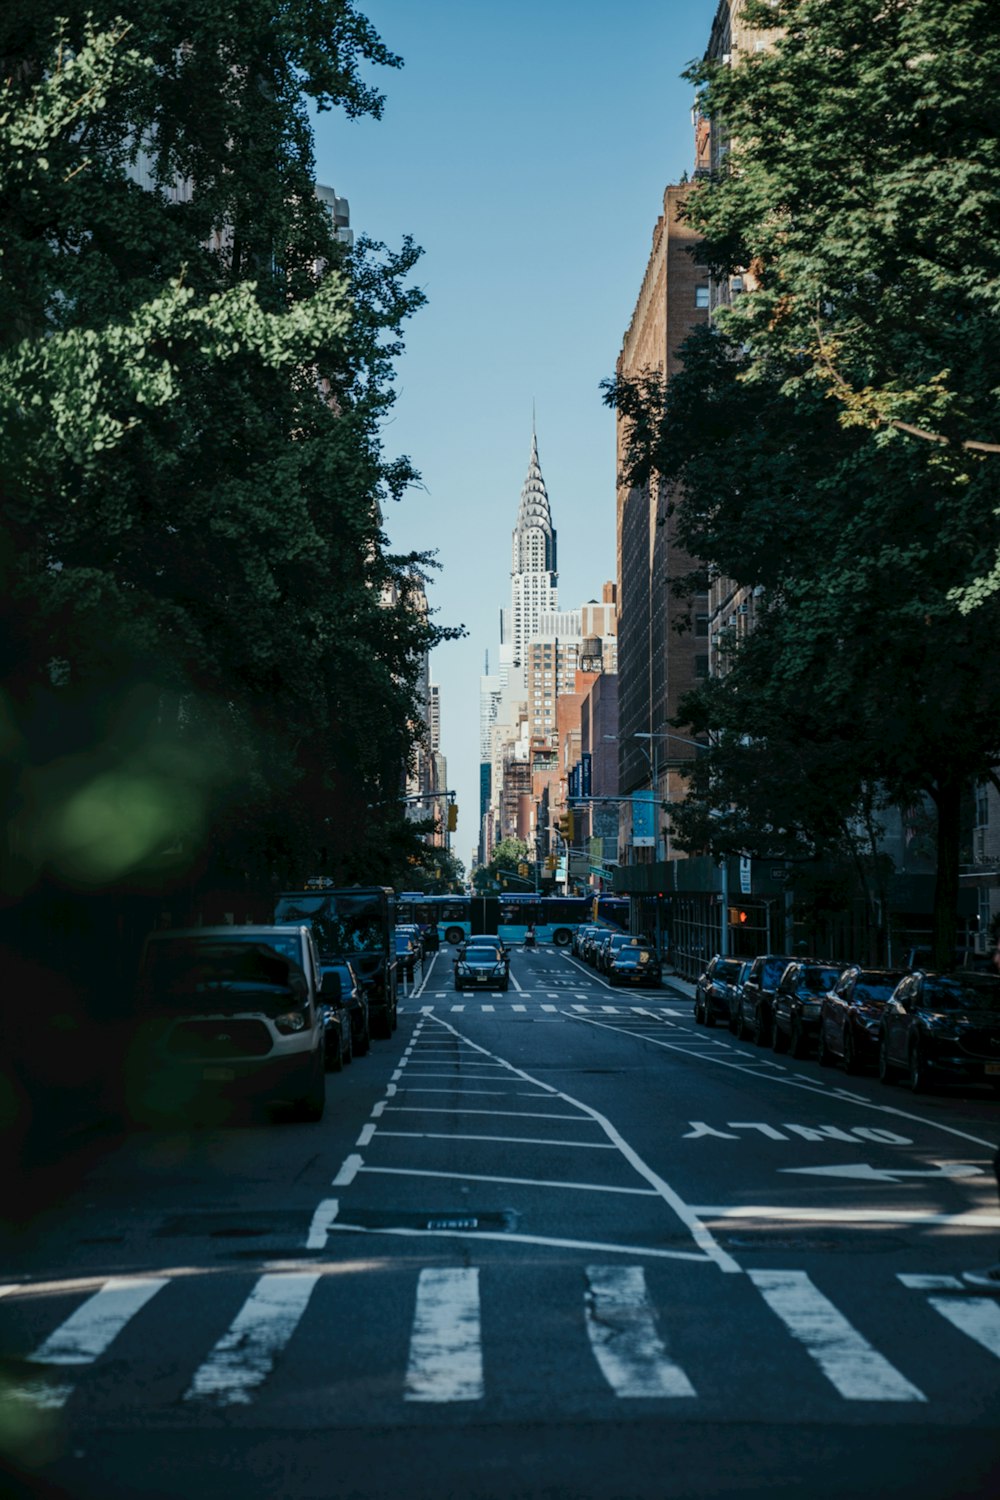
point(525, 147)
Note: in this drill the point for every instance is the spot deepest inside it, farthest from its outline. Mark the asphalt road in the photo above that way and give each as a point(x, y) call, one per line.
point(553, 1242)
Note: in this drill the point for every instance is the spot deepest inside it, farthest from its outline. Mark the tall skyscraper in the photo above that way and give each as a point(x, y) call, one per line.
point(533, 568)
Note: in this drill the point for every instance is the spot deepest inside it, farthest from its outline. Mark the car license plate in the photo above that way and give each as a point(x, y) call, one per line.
point(993, 1069)
point(482, 979)
point(218, 1075)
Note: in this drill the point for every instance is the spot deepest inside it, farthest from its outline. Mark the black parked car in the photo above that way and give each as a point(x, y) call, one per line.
point(712, 992)
point(633, 965)
point(851, 1017)
point(798, 1003)
point(355, 998)
point(338, 1047)
point(757, 996)
point(942, 1028)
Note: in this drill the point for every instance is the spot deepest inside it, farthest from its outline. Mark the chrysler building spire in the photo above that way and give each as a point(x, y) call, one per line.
point(533, 569)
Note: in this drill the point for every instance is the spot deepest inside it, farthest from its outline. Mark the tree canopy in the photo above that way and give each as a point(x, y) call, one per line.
point(209, 653)
point(831, 440)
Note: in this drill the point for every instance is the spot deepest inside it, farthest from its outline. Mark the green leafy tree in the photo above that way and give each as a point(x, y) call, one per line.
point(507, 855)
point(831, 436)
point(207, 649)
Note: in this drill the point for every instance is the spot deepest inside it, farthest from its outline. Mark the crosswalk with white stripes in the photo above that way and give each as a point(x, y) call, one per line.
point(579, 1002)
point(629, 1336)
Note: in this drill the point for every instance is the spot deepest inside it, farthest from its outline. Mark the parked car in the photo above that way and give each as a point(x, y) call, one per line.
point(634, 965)
point(580, 937)
point(338, 1043)
point(613, 944)
point(234, 1011)
point(798, 1003)
point(851, 1017)
point(942, 1028)
point(416, 932)
point(757, 996)
point(712, 991)
point(481, 968)
point(407, 953)
point(592, 943)
point(355, 997)
point(734, 988)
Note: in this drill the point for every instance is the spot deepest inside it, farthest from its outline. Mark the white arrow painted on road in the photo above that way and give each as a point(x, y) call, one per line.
point(863, 1172)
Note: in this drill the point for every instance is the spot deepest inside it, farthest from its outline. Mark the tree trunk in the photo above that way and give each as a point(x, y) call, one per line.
point(948, 797)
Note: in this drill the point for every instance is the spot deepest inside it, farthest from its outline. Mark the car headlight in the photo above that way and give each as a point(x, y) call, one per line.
point(291, 1021)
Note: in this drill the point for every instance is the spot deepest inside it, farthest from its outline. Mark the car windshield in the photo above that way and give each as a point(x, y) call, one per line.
point(875, 991)
point(197, 975)
point(773, 970)
point(727, 971)
point(818, 981)
point(961, 992)
point(481, 956)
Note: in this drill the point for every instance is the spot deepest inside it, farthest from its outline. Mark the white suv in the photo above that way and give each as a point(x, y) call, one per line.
point(234, 1009)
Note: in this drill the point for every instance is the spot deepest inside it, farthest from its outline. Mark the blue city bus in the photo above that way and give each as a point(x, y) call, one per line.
point(449, 918)
point(556, 918)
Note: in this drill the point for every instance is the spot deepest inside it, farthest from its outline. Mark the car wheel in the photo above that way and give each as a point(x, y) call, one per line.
point(364, 1042)
point(851, 1063)
point(743, 1031)
point(779, 1041)
point(562, 938)
point(885, 1068)
point(797, 1045)
point(919, 1074)
point(698, 1018)
point(349, 1054)
point(709, 1014)
point(336, 1065)
point(453, 935)
point(823, 1054)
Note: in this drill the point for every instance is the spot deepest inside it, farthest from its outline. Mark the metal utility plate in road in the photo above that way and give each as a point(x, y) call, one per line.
point(461, 1222)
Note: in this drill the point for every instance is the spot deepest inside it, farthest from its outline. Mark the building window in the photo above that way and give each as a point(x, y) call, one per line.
point(701, 666)
point(701, 295)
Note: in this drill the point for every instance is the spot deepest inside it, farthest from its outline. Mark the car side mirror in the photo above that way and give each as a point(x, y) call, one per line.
point(331, 988)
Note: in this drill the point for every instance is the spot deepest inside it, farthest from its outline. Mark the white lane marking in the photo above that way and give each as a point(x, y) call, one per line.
point(458, 1007)
point(513, 980)
point(487, 1007)
point(427, 1010)
point(773, 1072)
point(845, 1357)
point(245, 1355)
point(364, 1139)
point(514, 1114)
point(512, 1140)
point(583, 1009)
point(482, 1093)
point(322, 1219)
point(519, 1007)
point(550, 1007)
point(348, 1171)
point(390, 1089)
point(621, 1323)
point(701, 1236)
point(847, 1215)
point(446, 1355)
point(578, 1187)
point(930, 1283)
point(978, 1317)
point(87, 1333)
point(611, 1010)
point(548, 1241)
point(378, 1109)
point(427, 975)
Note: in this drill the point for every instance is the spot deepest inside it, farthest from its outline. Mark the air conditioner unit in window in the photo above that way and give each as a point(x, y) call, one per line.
point(744, 609)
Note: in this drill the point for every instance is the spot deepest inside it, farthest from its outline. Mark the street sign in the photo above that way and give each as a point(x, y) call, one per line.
point(586, 774)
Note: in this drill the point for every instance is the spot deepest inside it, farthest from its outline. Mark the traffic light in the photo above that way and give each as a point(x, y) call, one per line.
point(738, 917)
point(452, 816)
point(523, 870)
point(567, 825)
